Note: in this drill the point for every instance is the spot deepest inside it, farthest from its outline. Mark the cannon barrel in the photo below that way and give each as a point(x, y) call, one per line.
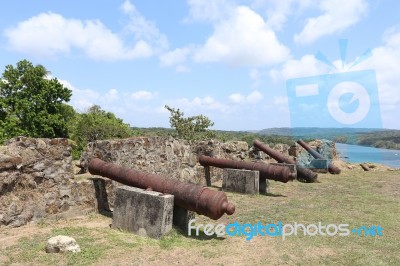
point(273, 172)
point(364, 167)
point(302, 173)
point(331, 168)
point(192, 197)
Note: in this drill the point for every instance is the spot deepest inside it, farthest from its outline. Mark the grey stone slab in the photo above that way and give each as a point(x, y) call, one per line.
point(240, 180)
point(319, 165)
point(101, 195)
point(263, 186)
point(182, 217)
point(146, 213)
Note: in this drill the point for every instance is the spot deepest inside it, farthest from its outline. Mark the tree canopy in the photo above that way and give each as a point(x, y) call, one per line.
point(190, 128)
point(97, 124)
point(31, 103)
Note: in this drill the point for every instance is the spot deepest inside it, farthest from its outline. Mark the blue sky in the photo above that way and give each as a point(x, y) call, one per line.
point(228, 60)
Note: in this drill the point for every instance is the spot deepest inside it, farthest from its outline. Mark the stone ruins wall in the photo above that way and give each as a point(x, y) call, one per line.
point(37, 176)
point(36, 181)
point(165, 156)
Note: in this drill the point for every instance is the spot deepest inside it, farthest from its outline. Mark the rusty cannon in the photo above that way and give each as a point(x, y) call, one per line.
point(331, 168)
point(192, 197)
point(302, 173)
point(273, 172)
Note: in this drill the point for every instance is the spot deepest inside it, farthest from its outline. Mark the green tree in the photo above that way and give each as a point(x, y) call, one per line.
point(31, 103)
point(190, 128)
point(97, 124)
point(340, 139)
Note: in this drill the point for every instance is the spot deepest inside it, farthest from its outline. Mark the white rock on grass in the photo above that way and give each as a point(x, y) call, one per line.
point(60, 244)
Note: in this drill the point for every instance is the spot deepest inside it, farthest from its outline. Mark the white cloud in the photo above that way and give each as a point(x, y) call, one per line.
point(143, 95)
point(211, 10)
point(386, 62)
point(50, 34)
point(177, 57)
point(199, 105)
point(308, 65)
point(243, 39)
point(252, 98)
point(237, 98)
point(81, 100)
point(281, 100)
point(337, 15)
point(278, 12)
point(111, 96)
point(127, 7)
point(144, 29)
point(174, 57)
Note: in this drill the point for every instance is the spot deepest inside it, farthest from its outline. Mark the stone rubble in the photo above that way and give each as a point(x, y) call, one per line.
point(62, 244)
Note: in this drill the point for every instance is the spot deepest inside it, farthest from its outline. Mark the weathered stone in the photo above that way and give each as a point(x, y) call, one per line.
point(263, 186)
point(319, 165)
point(7, 161)
point(182, 217)
point(36, 179)
point(242, 181)
point(99, 185)
point(164, 155)
point(145, 213)
point(61, 244)
point(325, 147)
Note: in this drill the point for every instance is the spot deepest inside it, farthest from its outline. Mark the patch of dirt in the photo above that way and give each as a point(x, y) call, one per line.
point(10, 236)
point(343, 165)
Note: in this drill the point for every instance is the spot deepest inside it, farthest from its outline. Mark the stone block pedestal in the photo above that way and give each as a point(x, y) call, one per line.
point(242, 181)
point(182, 217)
point(146, 213)
point(319, 165)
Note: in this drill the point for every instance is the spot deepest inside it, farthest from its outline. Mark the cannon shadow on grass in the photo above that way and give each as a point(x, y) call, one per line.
point(202, 236)
point(269, 194)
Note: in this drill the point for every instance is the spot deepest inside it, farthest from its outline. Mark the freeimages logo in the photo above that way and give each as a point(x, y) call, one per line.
point(341, 99)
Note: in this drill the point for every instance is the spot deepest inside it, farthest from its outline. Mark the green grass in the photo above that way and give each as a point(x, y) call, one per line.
point(354, 197)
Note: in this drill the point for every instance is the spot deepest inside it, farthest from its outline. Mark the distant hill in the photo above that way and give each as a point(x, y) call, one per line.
point(373, 137)
point(313, 131)
point(345, 135)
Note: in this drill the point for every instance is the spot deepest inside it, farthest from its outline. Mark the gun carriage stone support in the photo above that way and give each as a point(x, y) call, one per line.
point(331, 168)
point(273, 172)
point(302, 173)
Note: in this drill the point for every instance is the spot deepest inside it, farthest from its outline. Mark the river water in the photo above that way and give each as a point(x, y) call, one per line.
point(362, 154)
